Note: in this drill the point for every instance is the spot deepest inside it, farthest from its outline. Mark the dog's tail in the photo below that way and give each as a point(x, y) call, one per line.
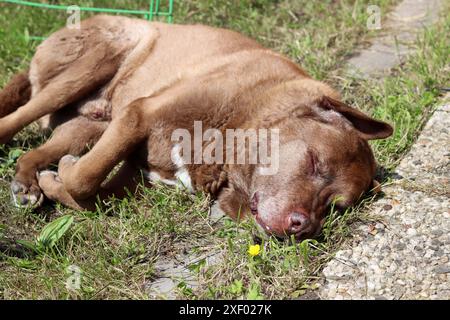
point(15, 94)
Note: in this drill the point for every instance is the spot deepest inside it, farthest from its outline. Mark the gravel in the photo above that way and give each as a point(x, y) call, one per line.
point(406, 256)
point(409, 259)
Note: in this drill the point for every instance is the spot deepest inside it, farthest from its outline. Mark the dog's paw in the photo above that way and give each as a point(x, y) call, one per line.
point(67, 161)
point(65, 165)
point(49, 182)
point(53, 188)
point(26, 196)
point(213, 186)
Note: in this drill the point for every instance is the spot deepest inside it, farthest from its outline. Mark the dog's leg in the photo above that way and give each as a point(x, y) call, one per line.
point(82, 178)
point(126, 180)
point(15, 94)
point(88, 73)
point(73, 137)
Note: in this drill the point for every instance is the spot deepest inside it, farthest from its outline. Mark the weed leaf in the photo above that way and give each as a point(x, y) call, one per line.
point(53, 231)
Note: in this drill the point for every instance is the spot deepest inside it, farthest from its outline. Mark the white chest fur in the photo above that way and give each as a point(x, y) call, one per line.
point(181, 179)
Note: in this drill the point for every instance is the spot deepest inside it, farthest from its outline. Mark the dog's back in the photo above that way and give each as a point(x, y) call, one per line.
point(153, 57)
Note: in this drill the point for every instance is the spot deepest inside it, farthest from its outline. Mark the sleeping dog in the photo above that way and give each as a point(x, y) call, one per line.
point(114, 91)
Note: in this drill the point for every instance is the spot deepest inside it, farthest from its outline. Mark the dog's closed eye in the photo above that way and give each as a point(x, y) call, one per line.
point(254, 204)
point(313, 163)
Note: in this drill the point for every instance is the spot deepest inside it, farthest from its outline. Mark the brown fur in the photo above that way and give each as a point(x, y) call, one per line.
point(15, 94)
point(122, 86)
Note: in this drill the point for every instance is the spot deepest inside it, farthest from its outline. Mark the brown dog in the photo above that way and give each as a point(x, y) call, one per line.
point(118, 88)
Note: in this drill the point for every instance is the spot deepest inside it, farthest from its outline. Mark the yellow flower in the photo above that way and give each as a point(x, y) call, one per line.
point(254, 250)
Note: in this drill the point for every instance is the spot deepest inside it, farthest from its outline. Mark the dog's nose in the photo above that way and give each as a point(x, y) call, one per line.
point(296, 222)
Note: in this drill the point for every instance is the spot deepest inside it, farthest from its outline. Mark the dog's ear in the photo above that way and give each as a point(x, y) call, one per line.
point(231, 202)
point(367, 127)
point(234, 197)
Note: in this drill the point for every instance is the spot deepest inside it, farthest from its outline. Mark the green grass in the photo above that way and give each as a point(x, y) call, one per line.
point(407, 97)
point(116, 249)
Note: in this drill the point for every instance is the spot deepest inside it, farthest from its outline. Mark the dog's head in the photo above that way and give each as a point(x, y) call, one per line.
point(324, 158)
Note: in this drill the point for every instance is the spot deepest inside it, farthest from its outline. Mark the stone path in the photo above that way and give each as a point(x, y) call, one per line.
point(407, 255)
point(171, 272)
point(399, 28)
